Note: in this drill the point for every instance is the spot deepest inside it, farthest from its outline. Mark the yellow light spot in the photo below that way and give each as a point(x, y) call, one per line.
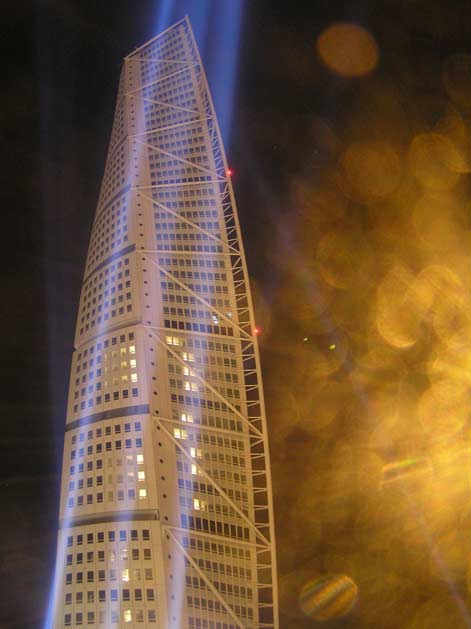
point(372, 169)
point(435, 161)
point(348, 49)
point(333, 346)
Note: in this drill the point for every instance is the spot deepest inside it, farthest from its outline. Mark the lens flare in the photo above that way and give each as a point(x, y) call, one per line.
point(442, 410)
point(435, 161)
point(406, 469)
point(396, 320)
point(328, 597)
point(348, 49)
point(373, 169)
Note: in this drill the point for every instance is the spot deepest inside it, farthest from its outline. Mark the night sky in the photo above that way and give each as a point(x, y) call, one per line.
point(293, 119)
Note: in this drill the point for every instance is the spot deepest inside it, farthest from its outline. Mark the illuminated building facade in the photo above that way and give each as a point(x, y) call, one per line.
point(166, 511)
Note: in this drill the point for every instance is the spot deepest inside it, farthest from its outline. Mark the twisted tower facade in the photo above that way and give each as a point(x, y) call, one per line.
point(166, 513)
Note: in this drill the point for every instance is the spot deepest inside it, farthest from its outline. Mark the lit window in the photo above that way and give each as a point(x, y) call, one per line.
point(123, 351)
point(194, 470)
point(132, 349)
point(142, 493)
point(141, 475)
point(125, 575)
point(193, 452)
point(177, 433)
point(124, 378)
point(186, 371)
point(172, 340)
point(127, 615)
point(140, 459)
point(134, 377)
point(187, 417)
point(196, 504)
point(133, 363)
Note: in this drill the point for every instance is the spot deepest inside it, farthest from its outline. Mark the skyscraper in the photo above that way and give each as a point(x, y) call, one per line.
point(166, 513)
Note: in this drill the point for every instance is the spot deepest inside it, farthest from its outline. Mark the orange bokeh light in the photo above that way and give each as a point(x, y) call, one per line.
point(348, 49)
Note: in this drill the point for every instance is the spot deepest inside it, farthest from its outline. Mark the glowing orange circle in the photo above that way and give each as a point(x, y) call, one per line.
point(348, 49)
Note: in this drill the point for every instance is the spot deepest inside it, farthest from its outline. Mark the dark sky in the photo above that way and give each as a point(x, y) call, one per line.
point(61, 68)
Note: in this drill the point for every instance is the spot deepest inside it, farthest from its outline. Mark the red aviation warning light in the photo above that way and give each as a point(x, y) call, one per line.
point(229, 172)
point(257, 331)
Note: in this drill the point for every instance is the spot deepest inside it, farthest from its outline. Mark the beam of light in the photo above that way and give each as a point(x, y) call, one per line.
point(217, 29)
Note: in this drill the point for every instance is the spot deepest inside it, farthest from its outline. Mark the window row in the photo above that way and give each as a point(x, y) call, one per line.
point(189, 299)
point(113, 616)
point(97, 283)
point(182, 193)
point(197, 288)
point(98, 432)
point(225, 588)
point(161, 119)
point(193, 487)
point(217, 474)
point(191, 236)
point(130, 477)
point(110, 497)
point(178, 85)
point(237, 571)
point(160, 140)
point(113, 595)
point(205, 328)
point(112, 313)
point(91, 556)
point(176, 226)
point(80, 468)
point(105, 345)
point(188, 248)
point(208, 604)
point(214, 526)
point(200, 402)
point(122, 535)
point(203, 623)
point(192, 262)
point(106, 398)
point(213, 421)
point(109, 446)
point(216, 548)
point(100, 575)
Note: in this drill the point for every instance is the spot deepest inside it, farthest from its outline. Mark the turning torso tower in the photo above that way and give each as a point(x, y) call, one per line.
point(166, 516)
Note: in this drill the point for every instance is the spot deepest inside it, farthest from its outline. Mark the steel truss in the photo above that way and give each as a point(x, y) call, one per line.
point(252, 415)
